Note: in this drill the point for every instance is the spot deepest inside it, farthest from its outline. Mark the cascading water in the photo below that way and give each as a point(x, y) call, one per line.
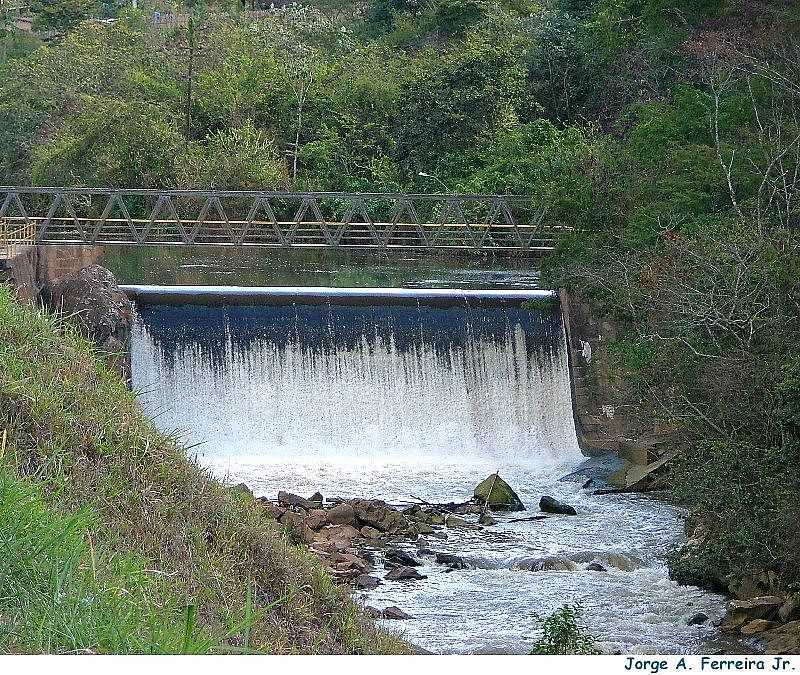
point(355, 398)
point(423, 397)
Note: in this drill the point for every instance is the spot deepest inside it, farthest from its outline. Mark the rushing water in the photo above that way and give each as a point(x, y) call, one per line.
point(395, 401)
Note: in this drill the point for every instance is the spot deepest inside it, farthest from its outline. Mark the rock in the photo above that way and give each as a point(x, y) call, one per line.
point(757, 626)
point(552, 505)
point(422, 542)
point(292, 520)
point(342, 514)
point(697, 619)
point(394, 613)
point(317, 499)
point(370, 532)
point(373, 612)
point(789, 610)
point(367, 582)
point(436, 518)
point(423, 528)
point(404, 573)
point(338, 533)
point(762, 607)
point(469, 509)
point(400, 557)
point(317, 519)
point(91, 300)
point(783, 639)
point(553, 563)
point(453, 561)
point(502, 497)
point(438, 535)
point(425, 551)
point(596, 567)
point(486, 519)
point(379, 515)
point(289, 499)
point(271, 509)
point(454, 521)
point(626, 563)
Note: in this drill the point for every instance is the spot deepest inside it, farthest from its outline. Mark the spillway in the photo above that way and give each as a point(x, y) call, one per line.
point(400, 394)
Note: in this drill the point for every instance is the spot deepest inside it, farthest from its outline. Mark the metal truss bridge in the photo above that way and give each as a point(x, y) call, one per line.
point(276, 219)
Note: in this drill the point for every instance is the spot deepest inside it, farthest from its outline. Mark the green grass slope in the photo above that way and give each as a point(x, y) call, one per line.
point(118, 543)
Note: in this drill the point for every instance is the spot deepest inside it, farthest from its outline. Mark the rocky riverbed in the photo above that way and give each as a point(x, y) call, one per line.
point(434, 573)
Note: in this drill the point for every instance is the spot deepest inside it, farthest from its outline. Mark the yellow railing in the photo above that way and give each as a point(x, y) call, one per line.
point(14, 238)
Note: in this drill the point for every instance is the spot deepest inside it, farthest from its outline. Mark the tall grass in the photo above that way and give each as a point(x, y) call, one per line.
point(129, 546)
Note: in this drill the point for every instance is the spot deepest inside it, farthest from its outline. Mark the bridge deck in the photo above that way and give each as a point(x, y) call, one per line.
point(278, 219)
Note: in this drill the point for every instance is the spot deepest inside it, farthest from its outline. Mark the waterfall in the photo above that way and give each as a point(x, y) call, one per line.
point(359, 399)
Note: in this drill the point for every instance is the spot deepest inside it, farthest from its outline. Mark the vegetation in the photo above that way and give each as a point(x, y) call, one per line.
point(562, 633)
point(665, 132)
point(116, 543)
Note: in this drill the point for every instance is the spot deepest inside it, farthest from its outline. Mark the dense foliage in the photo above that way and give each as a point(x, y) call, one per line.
point(665, 132)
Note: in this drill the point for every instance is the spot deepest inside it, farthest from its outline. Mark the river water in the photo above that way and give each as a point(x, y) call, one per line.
point(413, 400)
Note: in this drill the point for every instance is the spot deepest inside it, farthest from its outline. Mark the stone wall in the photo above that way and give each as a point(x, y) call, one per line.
point(608, 417)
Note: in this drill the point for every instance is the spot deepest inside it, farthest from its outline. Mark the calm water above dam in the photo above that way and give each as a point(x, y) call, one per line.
point(394, 401)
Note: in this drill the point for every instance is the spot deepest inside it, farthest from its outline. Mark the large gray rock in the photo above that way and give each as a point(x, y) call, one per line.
point(499, 494)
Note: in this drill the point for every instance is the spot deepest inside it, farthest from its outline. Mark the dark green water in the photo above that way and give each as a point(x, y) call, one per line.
point(316, 267)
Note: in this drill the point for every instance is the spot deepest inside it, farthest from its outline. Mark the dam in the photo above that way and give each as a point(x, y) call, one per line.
point(412, 394)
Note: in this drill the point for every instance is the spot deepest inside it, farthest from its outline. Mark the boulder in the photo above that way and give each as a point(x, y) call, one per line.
point(453, 561)
point(757, 626)
point(380, 515)
point(394, 613)
point(289, 499)
point(271, 509)
point(367, 582)
point(338, 533)
point(697, 619)
point(370, 532)
point(342, 514)
point(486, 519)
point(552, 505)
point(404, 574)
point(454, 521)
point(435, 518)
point(596, 567)
point(789, 611)
point(502, 496)
point(292, 520)
point(317, 519)
point(399, 557)
point(423, 528)
point(317, 499)
point(553, 563)
point(91, 299)
point(782, 639)
point(761, 607)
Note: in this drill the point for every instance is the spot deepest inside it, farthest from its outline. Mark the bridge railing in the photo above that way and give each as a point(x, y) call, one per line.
point(279, 219)
point(15, 238)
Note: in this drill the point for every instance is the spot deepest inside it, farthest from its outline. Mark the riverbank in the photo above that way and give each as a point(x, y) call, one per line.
point(149, 552)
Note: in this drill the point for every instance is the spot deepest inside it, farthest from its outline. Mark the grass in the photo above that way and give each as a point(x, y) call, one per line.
point(120, 544)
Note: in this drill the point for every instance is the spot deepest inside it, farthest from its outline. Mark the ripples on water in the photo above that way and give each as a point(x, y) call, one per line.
point(391, 402)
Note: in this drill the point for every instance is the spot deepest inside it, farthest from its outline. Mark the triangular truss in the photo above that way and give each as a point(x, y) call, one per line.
point(287, 219)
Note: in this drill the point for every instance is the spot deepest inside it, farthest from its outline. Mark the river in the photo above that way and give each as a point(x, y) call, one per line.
point(416, 400)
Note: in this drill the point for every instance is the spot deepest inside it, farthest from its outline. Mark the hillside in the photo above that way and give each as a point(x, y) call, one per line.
point(118, 543)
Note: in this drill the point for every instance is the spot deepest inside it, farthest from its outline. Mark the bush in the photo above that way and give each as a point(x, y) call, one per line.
point(562, 633)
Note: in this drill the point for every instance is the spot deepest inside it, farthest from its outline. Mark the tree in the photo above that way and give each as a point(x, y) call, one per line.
point(63, 14)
